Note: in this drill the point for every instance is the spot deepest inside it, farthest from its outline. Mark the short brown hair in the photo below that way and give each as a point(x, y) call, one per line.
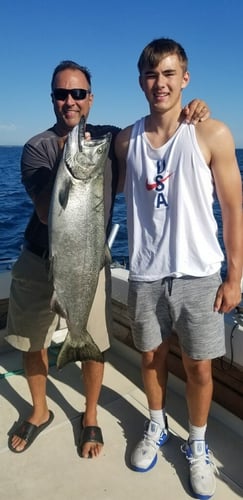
point(155, 50)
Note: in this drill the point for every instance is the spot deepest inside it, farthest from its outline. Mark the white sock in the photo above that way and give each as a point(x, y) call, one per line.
point(197, 433)
point(158, 416)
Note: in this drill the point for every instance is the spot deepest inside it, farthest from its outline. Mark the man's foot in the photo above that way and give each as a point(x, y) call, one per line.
point(144, 456)
point(91, 440)
point(26, 433)
point(202, 469)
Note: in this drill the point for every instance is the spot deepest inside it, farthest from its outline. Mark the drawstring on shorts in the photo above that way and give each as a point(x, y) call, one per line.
point(169, 282)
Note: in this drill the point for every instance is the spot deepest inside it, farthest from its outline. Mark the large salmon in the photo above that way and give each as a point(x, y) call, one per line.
point(77, 239)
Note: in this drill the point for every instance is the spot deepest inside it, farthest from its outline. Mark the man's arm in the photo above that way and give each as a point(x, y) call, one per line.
point(38, 175)
point(196, 111)
point(43, 199)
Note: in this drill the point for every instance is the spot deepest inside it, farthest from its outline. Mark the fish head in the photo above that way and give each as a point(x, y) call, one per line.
point(86, 158)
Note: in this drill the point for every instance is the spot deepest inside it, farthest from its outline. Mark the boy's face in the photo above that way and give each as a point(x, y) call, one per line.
point(162, 85)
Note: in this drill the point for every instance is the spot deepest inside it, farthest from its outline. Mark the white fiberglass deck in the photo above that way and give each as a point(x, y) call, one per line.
point(51, 468)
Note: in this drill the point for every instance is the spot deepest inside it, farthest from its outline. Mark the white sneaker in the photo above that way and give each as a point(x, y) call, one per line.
point(202, 468)
point(144, 455)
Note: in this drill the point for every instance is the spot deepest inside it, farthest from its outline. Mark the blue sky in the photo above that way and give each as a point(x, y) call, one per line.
point(108, 37)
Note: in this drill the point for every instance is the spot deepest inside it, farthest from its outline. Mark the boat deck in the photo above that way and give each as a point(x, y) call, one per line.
point(51, 468)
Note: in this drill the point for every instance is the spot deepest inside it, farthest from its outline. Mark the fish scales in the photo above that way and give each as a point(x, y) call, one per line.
point(77, 239)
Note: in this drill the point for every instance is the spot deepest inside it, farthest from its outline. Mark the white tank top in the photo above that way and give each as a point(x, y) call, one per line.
point(169, 193)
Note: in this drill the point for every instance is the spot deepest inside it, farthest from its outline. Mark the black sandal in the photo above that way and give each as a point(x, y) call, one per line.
point(89, 434)
point(28, 432)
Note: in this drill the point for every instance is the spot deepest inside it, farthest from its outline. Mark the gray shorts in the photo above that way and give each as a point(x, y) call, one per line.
point(31, 323)
point(181, 304)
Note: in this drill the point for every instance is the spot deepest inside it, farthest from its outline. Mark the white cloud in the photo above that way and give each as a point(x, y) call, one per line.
point(7, 127)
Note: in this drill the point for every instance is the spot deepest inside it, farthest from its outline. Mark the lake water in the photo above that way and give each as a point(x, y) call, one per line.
point(16, 207)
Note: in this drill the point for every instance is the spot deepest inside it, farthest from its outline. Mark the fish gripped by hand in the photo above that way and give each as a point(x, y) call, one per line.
point(77, 239)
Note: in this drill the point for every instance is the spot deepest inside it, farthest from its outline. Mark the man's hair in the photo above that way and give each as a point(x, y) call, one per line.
point(157, 49)
point(70, 65)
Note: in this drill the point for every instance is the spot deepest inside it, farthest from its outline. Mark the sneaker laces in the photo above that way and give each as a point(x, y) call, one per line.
point(207, 457)
point(153, 438)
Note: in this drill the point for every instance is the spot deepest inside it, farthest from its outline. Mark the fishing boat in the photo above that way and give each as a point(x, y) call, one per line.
point(227, 371)
point(51, 466)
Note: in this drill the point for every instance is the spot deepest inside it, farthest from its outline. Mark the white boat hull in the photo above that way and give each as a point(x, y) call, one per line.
point(233, 321)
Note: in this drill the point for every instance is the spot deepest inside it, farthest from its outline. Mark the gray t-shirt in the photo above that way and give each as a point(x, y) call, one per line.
point(40, 158)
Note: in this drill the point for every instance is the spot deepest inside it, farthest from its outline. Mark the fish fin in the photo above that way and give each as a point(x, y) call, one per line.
point(78, 350)
point(50, 270)
point(63, 194)
point(107, 257)
point(55, 306)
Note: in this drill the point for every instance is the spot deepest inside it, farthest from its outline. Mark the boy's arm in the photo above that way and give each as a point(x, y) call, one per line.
point(228, 185)
point(121, 149)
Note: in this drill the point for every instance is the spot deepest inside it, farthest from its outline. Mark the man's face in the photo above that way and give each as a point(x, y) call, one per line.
point(69, 110)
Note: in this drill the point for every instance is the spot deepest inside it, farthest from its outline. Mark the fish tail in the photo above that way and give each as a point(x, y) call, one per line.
point(78, 350)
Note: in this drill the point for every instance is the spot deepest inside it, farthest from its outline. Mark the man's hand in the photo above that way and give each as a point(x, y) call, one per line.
point(196, 111)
